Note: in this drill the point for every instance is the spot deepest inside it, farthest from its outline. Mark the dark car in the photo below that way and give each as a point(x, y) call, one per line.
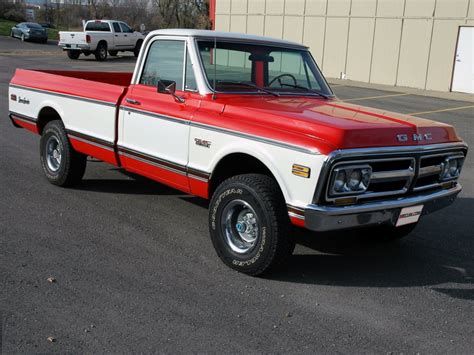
point(29, 31)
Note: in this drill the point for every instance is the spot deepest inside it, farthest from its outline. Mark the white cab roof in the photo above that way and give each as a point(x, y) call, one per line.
point(224, 35)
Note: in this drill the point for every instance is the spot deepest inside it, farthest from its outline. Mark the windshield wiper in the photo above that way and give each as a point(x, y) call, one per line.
point(307, 89)
point(259, 88)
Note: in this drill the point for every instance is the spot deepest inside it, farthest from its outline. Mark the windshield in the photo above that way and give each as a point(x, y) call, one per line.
point(263, 69)
point(33, 25)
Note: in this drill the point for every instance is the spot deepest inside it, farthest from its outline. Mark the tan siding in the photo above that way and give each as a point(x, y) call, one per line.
point(363, 7)
point(316, 7)
point(386, 51)
point(238, 6)
point(443, 49)
point(335, 46)
point(256, 6)
point(222, 23)
point(339, 7)
point(314, 36)
point(238, 23)
point(274, 26)
point(294, 7)
point(451, 8)
point(390, 8)
point(275, 7)
point(255, 24)
point(414, 53)
point(223, 6)
point(293, 28)
point(471, 9)
point(359, 51)
point(419, 8)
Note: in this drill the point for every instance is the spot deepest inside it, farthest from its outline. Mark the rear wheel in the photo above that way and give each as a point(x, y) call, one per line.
point(113, 53)
point(249, 224)
point(61, 164)
point(73, 54)
point(101, 52)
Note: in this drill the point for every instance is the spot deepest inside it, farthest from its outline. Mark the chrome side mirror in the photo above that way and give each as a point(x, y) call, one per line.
point(169, 87)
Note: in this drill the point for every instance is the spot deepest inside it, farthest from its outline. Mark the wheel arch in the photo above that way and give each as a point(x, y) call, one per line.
point(47, 114)
point(237, 163)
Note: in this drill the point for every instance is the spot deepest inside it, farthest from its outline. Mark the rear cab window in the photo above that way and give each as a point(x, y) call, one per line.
point(98, 26)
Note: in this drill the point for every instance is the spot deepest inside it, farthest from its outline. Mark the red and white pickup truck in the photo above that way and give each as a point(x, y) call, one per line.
point(251, 124)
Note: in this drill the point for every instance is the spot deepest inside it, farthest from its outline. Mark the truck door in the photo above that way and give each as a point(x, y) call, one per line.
point(120, 41)
point(154, 127)
point(129, 37)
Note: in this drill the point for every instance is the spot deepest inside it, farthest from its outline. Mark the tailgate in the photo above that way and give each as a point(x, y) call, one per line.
point(72, 38)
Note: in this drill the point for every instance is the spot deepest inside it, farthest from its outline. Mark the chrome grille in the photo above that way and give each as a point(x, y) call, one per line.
point(396, 171)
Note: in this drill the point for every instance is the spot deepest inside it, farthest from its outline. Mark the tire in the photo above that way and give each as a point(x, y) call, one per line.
point(45, 41)
point(138, 46)
point(86, 53)
point(61, 164)
point(12, 35)
point(253, 204)
point(101, 52)
point(113, 53)
point(22, 37)
point(73, 54)
point(391, 233)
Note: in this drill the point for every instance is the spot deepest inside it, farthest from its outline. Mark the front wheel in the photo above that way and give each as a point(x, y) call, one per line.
point(249, 224)
point(113, 53)
point(61, 164)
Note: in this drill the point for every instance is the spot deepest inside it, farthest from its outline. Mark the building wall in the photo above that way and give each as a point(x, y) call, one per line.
point(394, 42)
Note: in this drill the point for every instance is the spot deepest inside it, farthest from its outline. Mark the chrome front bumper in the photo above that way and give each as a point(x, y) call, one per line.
point(329, 218)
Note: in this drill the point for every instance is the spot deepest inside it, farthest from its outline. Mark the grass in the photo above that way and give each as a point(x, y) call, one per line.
point(5, 28)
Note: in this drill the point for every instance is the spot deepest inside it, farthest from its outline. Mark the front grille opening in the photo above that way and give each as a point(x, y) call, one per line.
point(386, 186)
point(391, 165)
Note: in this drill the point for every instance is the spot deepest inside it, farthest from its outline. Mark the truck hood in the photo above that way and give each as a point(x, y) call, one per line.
point(335, 123)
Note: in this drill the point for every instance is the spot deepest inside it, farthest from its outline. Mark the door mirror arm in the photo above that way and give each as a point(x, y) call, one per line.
point(169, 87)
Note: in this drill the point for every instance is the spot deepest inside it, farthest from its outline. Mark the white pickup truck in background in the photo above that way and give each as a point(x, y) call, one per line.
point(99, 38)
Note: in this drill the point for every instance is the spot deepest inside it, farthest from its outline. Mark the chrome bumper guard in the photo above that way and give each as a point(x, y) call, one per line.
point(330, 218)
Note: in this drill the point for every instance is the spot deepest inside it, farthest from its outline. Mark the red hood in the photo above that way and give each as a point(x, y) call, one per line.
point(338, 124)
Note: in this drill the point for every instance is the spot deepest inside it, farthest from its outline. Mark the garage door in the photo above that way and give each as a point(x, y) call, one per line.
point(463, 77)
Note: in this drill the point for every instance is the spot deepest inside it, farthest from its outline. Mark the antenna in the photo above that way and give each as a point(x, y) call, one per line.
point(215, 67)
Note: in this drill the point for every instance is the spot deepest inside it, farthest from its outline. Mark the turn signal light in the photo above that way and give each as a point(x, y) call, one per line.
point(88, 39)
point(301, 170)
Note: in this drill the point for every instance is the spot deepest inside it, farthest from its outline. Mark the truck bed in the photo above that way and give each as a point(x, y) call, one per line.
point(87, 101)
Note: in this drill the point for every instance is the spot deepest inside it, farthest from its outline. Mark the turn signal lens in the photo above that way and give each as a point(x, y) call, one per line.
point(301, 170)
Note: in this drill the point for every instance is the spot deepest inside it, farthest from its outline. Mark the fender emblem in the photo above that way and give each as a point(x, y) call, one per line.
point(23, 100)
point(202, 142)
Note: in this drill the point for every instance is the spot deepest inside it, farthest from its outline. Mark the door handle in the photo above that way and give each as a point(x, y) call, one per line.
point(132, 101)
point(116, 35)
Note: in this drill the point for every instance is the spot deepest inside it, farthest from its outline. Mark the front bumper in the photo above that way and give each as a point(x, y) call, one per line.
point(330, 218)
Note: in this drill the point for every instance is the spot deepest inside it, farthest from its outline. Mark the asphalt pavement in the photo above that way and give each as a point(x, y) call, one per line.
point(132, 266)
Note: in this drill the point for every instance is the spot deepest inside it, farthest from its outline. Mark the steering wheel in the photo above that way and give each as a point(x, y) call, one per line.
point(295, 82)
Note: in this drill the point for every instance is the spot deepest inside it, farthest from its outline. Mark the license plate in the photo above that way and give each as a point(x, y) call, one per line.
point(409, 215)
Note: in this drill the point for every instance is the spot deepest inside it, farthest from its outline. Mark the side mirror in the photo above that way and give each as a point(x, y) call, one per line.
point(169, 87)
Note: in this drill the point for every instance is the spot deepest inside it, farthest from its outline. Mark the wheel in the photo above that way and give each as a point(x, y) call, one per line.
point(12, 35)
point(86, 53)
point(391, 233)
point(62, 165)
point(73, 54)
point(23, 39)
point(138, 46)
point(113, 53)
point(45, 41)
point(249, 224)
point(101, 52)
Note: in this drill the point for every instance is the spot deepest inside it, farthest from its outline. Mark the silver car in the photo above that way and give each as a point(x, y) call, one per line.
point(29, 31)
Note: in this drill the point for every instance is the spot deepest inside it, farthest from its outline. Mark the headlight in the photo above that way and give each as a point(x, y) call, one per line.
point(451, 167)
point(350, 179)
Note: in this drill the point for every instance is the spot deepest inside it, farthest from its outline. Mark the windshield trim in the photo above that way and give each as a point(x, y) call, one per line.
point(330, 93)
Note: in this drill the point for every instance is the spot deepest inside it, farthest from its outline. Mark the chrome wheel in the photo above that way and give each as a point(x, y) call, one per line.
point(103, 52)
point(53, 153)
point(240, 226)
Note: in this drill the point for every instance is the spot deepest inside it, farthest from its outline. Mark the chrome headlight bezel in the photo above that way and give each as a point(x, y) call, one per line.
point(350, 180)
point(451, 167)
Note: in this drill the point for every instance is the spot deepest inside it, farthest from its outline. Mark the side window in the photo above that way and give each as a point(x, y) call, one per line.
point(125, 28)
point(117, 27)
point(190, 83)
point(164, 61)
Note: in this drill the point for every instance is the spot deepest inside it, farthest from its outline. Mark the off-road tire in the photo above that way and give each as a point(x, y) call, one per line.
point(274, 244)
point(73, 54)
point(101, 52)
point(72, 165)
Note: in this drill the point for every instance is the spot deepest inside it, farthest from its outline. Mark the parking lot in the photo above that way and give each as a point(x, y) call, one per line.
point(135, 271)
